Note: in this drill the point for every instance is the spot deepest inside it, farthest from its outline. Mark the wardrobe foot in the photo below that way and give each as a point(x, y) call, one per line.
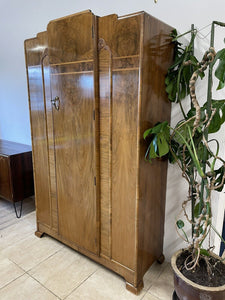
point(39, 234)
point(161, 259)
point(135, 290)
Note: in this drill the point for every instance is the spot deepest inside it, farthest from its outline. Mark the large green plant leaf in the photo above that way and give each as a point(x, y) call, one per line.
point(181, 129)
point(159, 127)
point(173, 156)
point(217, 120)
point(197, 213)
point(179, 74)
point(219, 177)
point(159, 140)
point(178, 90)
point(202, 152)
point(220, 70)
point(163, 146)
point(215, 123)
point(219, 117)
point(196, 210)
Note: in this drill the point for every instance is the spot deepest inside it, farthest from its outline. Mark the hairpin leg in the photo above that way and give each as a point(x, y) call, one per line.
point(18, 213)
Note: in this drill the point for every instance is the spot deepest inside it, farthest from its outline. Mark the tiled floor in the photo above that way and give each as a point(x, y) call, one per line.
point(44, 269)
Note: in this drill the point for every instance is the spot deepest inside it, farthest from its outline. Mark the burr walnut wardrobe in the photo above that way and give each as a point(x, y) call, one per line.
point(95, 84)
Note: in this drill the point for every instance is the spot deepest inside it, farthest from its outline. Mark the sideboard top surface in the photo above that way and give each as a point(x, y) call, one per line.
point(11, 148)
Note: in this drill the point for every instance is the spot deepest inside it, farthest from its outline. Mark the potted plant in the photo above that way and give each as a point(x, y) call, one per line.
point(198, 273)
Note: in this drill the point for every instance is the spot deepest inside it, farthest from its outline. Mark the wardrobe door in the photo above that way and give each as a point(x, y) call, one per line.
point(71, 53)
point(119, 46)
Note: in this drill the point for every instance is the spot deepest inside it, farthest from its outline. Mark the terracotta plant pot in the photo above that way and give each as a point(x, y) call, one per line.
point(188, 290)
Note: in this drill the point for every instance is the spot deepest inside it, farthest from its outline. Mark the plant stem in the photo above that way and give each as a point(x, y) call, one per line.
point(192, 171)
point(219, 23)
point(178, 89)
point(208, 108)
point(188, 49)
point(179, 36)
point(192, 153)
point(192, 50)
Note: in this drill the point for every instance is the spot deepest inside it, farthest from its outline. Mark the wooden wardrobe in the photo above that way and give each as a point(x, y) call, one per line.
point(95, 84)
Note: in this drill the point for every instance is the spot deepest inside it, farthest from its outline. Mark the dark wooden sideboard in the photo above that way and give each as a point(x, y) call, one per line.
point(16, 171)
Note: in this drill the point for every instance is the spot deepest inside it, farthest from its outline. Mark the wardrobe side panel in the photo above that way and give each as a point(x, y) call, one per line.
point(155, 107)
point(33, 52)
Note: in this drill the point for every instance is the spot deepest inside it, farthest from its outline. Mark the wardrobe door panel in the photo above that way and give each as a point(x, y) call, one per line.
point(70, 39)
point(71, 49)
point(75, 161)
point(124, 165)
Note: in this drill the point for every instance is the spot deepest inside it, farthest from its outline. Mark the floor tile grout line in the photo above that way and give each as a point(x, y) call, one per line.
point(27, 221)
point(144, 294)
point(80, 284)
point(26, 272)
point(40, 262)
point(12, 281)
point(16, 264)
point(44, 286)
point(9, 222)
point(13, 244)
point(155, 296)
point(154, 281)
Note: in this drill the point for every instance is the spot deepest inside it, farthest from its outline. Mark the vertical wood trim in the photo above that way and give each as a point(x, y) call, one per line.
point(32, 137)
point(96, 132)
point(50, 141)
point(138, 150)
point(44, 55)
point(110, 154)
point(53, 144)
point(103, 47)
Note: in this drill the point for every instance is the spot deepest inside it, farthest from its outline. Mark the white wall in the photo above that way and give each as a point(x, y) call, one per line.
point(22, 19)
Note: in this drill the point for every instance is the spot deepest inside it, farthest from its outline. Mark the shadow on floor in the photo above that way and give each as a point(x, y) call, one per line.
point(7, 213)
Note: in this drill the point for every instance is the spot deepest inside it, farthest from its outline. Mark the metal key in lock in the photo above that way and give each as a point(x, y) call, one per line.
point(56, 102)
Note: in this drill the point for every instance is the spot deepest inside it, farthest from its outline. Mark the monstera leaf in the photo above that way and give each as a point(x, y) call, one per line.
point(179, 74)
point(159, 136)
point(219, 178)
point(220, 70)
point(219, 117)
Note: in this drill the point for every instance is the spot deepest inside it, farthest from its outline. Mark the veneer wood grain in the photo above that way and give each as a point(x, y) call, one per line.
point(98, 84)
